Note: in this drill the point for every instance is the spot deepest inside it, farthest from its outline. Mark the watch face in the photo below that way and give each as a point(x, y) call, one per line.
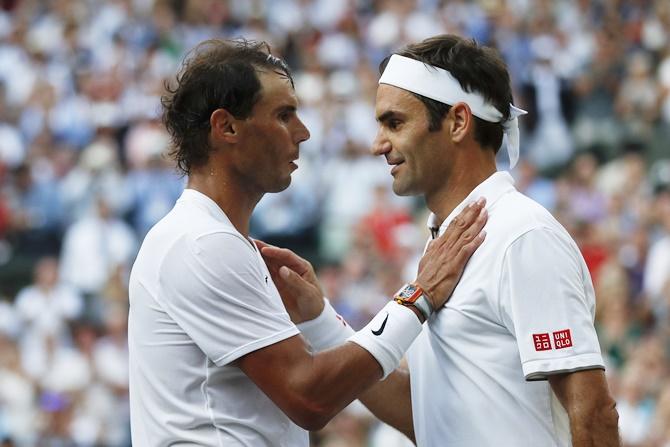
point(407, 291)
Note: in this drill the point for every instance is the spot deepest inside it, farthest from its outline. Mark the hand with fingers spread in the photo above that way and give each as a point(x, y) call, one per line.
point(445, 258)
point(295, 280)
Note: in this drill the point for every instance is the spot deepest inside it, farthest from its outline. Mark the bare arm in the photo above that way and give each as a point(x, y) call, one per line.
point(442, 264)
point(591, 409)
point(391, 401)
point(311, 389)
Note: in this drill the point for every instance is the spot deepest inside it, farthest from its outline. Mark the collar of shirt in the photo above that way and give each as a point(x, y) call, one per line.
point(214, 210)
point(205, 201)
point(494, 187)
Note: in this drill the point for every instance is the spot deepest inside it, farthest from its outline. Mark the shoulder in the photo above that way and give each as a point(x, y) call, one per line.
point(516, 214)
point(211, 255)
point(189, 237)
point(221, 245)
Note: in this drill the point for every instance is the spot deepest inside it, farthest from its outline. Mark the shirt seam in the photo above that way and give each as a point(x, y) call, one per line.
point(257, 344)
point(562, 357)
point(227, 231)
point(210, 410)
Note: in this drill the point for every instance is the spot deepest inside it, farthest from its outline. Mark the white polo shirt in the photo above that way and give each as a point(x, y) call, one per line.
point(200, 298)
point(523, 310)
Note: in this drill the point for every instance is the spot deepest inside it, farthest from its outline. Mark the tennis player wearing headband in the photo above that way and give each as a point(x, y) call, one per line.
point(512, 359)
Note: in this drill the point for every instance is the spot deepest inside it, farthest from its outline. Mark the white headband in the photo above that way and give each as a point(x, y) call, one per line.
point(438, 84)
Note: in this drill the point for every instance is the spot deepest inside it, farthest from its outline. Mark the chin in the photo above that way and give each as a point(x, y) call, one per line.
point(401, 190)
point(281, 185)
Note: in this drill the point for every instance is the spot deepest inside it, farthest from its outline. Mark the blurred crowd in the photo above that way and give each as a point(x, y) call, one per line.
point(83, 176)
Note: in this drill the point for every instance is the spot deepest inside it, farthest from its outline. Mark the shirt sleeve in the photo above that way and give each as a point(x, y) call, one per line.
point(216, 289)
point(548, 303)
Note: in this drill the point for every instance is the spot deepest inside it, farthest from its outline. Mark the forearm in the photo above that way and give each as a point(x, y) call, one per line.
point(592, 411)
point(312, 388)
point(344, 372)
point(599, 428)
point(332, 380)
point(390, 401)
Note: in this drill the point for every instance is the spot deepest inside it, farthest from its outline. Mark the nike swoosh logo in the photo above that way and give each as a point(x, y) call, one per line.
point(381, 328)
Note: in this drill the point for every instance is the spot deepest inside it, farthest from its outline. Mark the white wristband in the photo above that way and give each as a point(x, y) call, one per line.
point(327, 330)
point(389, 334)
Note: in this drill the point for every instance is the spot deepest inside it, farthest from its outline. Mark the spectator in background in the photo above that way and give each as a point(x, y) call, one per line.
point(153, 189)
point(586, 203)
point(45, 307)
point(96, 175)
point(550, 100)
point(94, 247)
point(637, 102)
point(596, 87)
point(538, 188)
point(657, 268)
point(36, 213)
point(18, 415)
point(12, 149)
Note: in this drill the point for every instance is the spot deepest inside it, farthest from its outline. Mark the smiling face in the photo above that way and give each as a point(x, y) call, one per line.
point(419, 158)
point(269, 137)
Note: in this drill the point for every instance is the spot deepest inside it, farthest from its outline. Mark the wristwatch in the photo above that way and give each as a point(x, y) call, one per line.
point(413, 295)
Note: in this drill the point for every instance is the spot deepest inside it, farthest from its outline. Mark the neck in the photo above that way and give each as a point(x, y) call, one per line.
point(229, 193)
point(466, 174)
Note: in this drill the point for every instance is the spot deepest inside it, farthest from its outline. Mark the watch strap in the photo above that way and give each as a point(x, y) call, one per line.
point(424, 306)
point(417, 299)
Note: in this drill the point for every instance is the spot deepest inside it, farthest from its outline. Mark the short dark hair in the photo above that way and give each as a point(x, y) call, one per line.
point(477, 68)
point(215, 74)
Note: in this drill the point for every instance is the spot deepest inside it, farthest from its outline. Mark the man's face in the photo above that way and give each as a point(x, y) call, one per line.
point(416, 155)
point(269, 138)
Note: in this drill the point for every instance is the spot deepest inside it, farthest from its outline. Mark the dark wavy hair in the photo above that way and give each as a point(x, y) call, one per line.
point(477, 68)
point(216, 74)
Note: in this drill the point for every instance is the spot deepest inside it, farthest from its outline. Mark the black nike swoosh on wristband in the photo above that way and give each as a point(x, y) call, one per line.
point(381, 328)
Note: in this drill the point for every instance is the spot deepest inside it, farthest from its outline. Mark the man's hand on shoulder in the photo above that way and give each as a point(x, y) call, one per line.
point(295, 280)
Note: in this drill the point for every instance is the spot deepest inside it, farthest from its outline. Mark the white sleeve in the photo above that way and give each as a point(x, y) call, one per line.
point(547, 301)
point(216, 290)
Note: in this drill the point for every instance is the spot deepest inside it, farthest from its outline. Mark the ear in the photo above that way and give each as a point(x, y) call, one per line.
point(461, 122)
point(224, 126)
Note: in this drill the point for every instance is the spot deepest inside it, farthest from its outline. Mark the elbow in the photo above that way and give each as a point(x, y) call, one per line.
point(309, 407)
point(311, 417)
point(603, 417)
point(606, 414)
point(610, 415)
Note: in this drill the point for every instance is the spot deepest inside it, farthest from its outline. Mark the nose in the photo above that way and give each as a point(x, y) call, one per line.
point(381, 145)
point(301, 133)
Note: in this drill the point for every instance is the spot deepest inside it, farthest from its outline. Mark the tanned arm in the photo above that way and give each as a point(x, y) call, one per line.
point(591, 409)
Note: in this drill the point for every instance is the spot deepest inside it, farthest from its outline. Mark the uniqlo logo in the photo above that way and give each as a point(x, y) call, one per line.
point(562, 339)
point(542, 342)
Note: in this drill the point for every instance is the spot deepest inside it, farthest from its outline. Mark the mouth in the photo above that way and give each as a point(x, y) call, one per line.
point(396, 167)
point(293, 165)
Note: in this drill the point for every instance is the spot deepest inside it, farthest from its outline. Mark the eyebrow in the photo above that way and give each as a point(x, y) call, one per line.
point(286, 108)
point(386, 116)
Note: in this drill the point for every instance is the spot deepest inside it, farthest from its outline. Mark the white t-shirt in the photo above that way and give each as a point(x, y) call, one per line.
point(522, 310)
point(200, 298)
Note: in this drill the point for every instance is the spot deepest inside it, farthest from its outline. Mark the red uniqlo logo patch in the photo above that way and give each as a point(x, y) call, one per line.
point(562, 339)
point(542, 342)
